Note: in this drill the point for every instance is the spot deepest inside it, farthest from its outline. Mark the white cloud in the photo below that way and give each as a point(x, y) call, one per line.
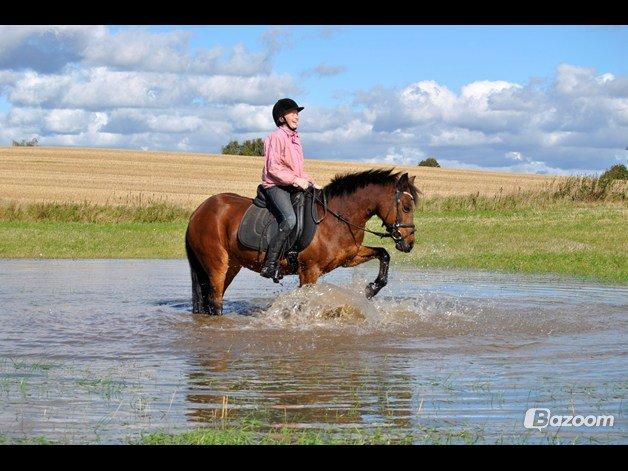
point(100, 88)
point(86, 86)
point(324, 70)
point(45, 48)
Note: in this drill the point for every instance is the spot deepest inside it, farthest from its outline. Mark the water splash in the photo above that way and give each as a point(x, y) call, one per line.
point(319, 305)
point(421, 314)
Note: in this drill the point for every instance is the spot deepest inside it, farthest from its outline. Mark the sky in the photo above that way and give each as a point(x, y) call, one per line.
point(535, 99)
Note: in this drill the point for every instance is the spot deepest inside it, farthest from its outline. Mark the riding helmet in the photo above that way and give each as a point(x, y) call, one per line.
point(282, 107)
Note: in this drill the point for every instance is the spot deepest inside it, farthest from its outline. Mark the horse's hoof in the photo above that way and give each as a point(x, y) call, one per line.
point(371, 290)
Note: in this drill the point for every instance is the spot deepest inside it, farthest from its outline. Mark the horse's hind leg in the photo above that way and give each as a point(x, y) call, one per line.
point(201, 288)
point(232, 271)
point(201, 292)
point(220, 275)
point(218, 281)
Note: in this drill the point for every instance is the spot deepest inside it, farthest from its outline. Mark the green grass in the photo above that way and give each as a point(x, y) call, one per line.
point(53, 239)
point(509, 233)
point(282, 436)
point(589, 241)
point(245, 434)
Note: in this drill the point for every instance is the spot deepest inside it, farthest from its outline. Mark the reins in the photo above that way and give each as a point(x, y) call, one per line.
point(390, 228)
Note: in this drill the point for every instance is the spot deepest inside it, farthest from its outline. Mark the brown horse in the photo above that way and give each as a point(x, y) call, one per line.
point(216, 256)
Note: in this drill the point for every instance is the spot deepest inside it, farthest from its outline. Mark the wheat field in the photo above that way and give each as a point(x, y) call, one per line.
point(128, 177)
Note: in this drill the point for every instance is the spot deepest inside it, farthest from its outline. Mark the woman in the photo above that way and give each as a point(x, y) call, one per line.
point(283, 174)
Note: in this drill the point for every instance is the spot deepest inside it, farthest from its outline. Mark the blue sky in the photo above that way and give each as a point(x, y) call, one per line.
point(541, 99)
point(451, 55)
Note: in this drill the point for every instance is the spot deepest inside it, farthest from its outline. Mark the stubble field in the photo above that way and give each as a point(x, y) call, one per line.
point(103, 176)
point(102, 203)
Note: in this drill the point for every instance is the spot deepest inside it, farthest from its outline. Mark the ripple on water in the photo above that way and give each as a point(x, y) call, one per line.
point(100, 349)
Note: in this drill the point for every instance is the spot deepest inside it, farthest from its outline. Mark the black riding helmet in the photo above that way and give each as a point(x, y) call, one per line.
point(282, 107)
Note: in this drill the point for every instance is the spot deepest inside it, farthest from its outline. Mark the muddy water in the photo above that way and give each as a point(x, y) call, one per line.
point(106, 350)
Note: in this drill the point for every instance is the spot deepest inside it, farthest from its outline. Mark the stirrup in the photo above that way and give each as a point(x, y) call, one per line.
point(268, 270)
point(278, 275)
point(272, 270)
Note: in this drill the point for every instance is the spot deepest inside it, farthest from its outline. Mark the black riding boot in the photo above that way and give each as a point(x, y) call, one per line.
point(271, 268)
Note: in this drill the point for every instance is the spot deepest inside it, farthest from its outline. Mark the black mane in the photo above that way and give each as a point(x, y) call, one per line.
point(350, 182)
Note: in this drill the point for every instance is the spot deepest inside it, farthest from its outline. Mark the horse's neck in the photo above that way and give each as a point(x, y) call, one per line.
point(359, 206)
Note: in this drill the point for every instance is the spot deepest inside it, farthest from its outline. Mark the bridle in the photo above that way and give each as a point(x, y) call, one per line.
point(392, 230)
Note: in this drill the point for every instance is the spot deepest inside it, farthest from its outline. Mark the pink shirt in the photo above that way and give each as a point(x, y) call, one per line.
point(284, 158)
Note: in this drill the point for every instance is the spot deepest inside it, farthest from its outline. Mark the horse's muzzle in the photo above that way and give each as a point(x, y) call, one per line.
point(402, 246)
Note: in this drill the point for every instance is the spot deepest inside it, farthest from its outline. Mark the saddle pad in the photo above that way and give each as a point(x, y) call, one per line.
point(253, 230)
point(259, 226)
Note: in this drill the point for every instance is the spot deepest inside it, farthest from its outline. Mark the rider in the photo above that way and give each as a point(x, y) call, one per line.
point(283, 174)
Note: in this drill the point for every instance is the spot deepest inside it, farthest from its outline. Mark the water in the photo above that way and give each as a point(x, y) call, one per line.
point(106, 350)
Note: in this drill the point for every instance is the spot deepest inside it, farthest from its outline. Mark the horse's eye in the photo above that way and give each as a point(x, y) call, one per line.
point(406, 209)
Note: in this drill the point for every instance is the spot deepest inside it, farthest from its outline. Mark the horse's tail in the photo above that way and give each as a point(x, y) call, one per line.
point(199, 278)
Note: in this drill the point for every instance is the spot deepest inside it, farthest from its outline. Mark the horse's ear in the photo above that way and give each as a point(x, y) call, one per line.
point(412, 179)
point(403, 180)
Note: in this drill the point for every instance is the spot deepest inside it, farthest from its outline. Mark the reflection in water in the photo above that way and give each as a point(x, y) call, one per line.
point(107, 349)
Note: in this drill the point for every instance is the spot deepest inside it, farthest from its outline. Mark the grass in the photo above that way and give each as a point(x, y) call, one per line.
point(250, 435)
point(514, 234)
point(244, 434)
point(586, 241)
point(570, 225)
point(50, 239)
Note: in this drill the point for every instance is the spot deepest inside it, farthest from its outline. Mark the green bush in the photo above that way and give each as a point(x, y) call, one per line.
point(616, 172)
point(250, 147)
point(429, 162)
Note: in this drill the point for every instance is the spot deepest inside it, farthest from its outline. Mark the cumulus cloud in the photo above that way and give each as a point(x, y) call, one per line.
point(101, 88)
point(88, 86)
point(44, 48)
point(49, 49)
point(575, 120)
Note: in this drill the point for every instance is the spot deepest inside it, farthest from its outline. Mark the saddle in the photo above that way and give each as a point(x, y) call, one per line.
point(259, 226)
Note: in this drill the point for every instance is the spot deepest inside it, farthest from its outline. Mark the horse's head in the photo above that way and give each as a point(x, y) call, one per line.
point(398, 218)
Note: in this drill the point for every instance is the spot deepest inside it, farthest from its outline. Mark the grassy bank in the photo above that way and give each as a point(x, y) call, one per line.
point(586, 241)
point(252, 435)
point(520, 233)
point(243, 434)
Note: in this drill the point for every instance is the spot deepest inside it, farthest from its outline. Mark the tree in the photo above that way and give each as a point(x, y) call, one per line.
point(232, 148)
point(253, 147)
point(250, 147)
point(429, 162)
point(24, 143)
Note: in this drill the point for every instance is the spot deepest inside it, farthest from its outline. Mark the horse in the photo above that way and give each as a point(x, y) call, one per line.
point(216, 256)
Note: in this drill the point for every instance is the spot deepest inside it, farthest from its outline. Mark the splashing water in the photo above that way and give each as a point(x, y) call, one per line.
point(420, 313)
point(104, 349)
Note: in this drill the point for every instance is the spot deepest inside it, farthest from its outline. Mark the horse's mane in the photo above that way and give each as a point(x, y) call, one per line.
point(348, 183)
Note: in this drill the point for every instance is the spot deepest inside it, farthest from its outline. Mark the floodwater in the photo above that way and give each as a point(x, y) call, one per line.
point(103, 351)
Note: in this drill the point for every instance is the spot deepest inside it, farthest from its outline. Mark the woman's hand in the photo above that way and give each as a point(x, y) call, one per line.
point(301, 182)
point(317, 186)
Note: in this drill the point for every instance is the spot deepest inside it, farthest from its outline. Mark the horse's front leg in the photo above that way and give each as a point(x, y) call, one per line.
point(309, 275)
point(369, 253)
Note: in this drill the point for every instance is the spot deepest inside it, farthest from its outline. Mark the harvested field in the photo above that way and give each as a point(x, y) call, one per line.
point(107, 176)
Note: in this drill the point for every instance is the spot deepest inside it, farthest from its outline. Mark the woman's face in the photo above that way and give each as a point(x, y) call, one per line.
point(292, 119)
